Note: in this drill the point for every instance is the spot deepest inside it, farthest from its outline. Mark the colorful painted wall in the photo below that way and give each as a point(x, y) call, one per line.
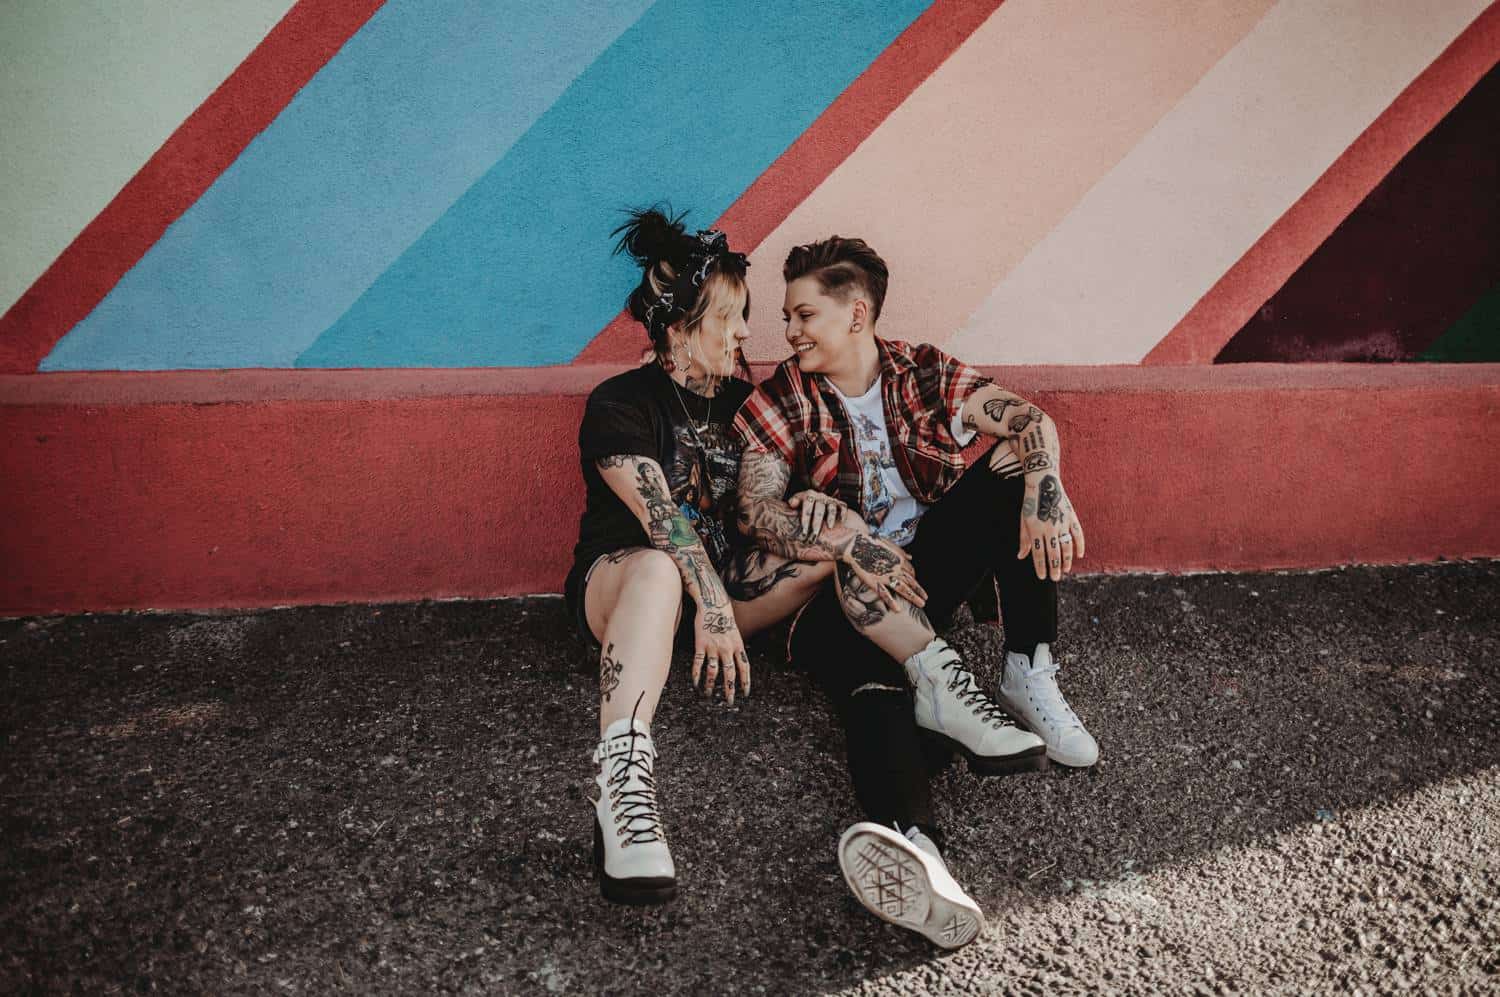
point(299, 302)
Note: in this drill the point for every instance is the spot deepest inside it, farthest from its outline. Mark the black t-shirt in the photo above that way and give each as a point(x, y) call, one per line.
point(643, 412)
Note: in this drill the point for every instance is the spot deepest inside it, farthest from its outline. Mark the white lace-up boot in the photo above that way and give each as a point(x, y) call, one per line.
point(902, 879)
point(630, 847)
point(1028, 689)
point(951, 705)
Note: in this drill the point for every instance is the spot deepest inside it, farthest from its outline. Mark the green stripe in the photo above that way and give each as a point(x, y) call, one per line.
point(1475, 338)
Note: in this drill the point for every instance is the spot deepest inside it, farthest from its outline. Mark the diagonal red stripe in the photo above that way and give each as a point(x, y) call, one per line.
point(175, 177)
point(1286, 245)
point(915, 54)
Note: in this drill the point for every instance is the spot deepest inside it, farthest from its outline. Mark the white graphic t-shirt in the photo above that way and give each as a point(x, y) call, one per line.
point(890, 509)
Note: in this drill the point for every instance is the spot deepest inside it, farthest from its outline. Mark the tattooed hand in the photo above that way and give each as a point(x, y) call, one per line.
point(1051, 533)
point(884, 569)
point(817, 510)
point(719, 652)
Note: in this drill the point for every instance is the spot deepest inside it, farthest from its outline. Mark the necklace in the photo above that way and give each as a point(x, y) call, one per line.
point(707, 417)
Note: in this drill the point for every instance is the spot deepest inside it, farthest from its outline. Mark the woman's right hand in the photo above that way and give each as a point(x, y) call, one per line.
point(885, 568)
point(719, 654)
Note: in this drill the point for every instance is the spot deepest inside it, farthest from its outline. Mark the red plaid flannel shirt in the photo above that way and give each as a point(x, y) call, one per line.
point(798, 417)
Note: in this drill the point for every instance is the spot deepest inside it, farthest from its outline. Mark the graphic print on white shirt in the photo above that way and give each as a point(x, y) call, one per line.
point(889, 507)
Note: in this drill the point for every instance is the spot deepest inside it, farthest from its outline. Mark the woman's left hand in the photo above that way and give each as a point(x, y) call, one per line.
point(817, 510)
point(1050, 530)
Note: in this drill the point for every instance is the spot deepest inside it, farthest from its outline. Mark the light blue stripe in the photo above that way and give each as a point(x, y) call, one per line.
point(418, 105)
point(692, 103)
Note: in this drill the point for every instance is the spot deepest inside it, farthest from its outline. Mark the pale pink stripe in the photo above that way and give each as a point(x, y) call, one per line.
point(997, 146)
point(1151, 238)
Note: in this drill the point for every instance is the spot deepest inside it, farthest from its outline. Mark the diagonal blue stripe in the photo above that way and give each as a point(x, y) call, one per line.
point(692, 103)
point(419, 104)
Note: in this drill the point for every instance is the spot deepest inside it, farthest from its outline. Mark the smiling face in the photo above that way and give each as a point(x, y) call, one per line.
point(716, 340)
point(818, 325)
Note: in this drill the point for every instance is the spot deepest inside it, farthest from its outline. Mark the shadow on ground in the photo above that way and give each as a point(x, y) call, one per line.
point(393, 798)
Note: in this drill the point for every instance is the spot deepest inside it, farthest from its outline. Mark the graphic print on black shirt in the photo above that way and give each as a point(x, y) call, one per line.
point(643, 412)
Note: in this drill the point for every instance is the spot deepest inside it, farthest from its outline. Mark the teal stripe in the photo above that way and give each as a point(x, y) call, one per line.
point(691, 104)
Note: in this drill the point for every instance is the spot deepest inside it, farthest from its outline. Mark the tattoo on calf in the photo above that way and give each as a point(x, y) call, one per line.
point(861, 603)
point(1049, 500)
point(609, 673)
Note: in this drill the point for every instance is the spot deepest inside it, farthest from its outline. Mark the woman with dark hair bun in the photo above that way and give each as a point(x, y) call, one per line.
point(661, 470)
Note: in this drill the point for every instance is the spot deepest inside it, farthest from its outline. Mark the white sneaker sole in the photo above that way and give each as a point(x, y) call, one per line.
point(1056, 754)
point(888, 874)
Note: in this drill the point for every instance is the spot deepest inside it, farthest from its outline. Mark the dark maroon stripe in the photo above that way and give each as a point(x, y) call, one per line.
point(1406, 264)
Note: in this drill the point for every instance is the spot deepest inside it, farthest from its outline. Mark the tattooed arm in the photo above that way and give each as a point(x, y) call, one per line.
point(641, 485)
point(1051, 533)
point(775, 525)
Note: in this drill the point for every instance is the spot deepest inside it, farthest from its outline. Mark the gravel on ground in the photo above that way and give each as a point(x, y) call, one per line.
point(1299, 792)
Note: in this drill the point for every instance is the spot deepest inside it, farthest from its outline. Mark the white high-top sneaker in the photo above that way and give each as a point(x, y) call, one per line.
point(902, 879)
point(951, 705)
point(630, 847)
point(1028, 689)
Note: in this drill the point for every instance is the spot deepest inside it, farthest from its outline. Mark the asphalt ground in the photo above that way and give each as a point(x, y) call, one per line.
point(1299, 792)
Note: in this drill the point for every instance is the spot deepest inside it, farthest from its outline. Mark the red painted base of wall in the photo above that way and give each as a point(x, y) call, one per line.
point(253, 488)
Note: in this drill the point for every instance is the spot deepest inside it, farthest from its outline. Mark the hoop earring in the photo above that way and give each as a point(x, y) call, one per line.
point(855, 326)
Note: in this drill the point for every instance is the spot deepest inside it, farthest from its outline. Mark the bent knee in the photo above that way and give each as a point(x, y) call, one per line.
point(656, 572)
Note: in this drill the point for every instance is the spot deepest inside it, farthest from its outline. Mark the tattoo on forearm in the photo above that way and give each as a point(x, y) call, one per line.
point(1049, 500)
point(995, 407)
point(862, 605)
point(669, 531)
point(609, 672)
point(1033, 440)
point(1038, 461)
point(1020, 422)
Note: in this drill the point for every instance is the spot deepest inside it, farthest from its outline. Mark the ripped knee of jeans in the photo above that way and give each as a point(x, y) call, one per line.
point(875, 687)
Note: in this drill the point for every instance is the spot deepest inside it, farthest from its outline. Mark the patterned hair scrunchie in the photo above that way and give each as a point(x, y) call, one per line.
point(709, 250)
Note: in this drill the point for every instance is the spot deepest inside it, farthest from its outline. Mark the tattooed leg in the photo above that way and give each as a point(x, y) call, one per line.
point(632, 603)
point(767, 588)
point(899, 633)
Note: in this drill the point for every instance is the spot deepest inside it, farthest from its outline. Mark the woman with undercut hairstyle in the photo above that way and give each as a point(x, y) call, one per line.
point(657, 544)
point(882, 424)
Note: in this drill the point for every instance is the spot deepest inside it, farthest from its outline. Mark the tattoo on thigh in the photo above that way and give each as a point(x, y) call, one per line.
point(861, 603)
point(749, 580)
point(609, 672)
point(614, 460)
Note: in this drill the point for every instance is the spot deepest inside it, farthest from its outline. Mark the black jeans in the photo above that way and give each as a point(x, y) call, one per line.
point(968, 536)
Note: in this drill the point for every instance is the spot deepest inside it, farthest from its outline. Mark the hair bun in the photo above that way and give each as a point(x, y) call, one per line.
point(651, 235)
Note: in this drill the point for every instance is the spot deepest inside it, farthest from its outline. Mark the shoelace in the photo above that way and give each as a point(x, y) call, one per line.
point(1042, 688)
point(635, 813)
point(961, 683)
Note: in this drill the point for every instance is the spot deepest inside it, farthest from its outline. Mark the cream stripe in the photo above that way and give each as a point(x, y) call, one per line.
point(995, 148)
point(1156, 233)
point(89, 89)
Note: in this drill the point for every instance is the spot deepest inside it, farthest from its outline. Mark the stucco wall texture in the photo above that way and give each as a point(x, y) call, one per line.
point(238, 490)
point(300, 302)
